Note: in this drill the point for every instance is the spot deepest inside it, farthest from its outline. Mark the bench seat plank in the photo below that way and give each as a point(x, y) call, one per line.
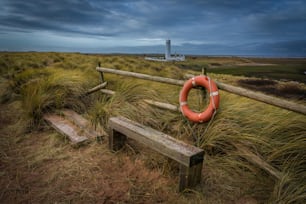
point(177, 150)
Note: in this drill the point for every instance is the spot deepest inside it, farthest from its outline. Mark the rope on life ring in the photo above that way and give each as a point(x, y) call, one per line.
point(212, 89)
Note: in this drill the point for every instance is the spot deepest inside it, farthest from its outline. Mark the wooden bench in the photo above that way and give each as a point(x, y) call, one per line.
point(189, 157)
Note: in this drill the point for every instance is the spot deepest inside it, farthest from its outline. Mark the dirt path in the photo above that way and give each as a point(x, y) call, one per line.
point(40, 167)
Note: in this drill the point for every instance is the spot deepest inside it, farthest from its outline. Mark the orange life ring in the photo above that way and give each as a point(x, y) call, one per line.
point(212, 89)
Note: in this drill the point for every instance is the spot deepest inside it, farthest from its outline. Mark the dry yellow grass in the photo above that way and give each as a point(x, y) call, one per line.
point(38, 165)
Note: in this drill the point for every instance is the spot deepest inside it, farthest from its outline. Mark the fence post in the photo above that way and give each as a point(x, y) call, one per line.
point(101, 73)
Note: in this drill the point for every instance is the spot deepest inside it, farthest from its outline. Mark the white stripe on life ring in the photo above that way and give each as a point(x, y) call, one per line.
point(215, 93)
point(182, 103)
point(193, 82)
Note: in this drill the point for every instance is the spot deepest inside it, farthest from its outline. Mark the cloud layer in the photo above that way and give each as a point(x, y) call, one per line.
point(196, 27)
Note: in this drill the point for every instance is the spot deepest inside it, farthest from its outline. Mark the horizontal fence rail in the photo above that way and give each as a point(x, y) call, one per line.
point(299, 108)
point(142, 76)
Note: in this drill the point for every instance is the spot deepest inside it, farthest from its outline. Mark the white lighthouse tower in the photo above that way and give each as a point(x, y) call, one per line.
point(168, 50)
point(168, 56)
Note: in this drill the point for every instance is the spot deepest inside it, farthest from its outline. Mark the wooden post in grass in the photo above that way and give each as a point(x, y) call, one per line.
point(116, 140)
point(101, 73)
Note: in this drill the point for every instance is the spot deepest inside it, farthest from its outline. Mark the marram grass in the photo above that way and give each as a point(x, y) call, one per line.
point(46, 82)
point(270, 133)
point(58, 89)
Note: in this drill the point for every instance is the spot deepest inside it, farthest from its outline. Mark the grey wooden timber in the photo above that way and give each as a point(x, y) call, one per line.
point(74, 126)
point(189, 157)
point(96, 88)
point(91, 131)
point(66, 128)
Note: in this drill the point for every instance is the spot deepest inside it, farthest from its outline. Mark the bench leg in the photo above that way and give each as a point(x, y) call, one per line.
point(190, 176)
point(116, 140)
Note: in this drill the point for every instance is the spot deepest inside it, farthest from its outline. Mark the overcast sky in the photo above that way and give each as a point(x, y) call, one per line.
point(215, 27)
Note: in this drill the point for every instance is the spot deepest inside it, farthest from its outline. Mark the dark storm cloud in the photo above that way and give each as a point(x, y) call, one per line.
point(56, 16)
point(242, 25)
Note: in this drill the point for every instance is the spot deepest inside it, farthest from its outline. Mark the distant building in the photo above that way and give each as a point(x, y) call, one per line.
point(168, 56)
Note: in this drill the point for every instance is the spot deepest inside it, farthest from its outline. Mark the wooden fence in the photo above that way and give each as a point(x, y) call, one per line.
point(299, 108)
point(254, 158)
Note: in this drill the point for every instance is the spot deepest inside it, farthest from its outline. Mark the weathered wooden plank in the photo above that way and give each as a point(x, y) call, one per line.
point(107, 91)
point(299, 108)
point(66, 128)
point(75, 118)
point(179, 151)
point(116, 140)
point(162, 105)
point(96, 88)
point(190, 176)
point(84, 124)
point(257, 160)
point(141, 76)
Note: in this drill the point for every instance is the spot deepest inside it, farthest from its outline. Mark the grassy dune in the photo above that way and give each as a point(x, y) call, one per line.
point(38, 165)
